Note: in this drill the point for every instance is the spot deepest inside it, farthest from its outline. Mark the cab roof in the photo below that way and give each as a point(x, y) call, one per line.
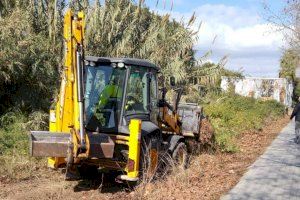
point(127, 61)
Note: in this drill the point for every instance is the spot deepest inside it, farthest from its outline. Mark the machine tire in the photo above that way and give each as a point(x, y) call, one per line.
point(180, 155)
point(148, 144)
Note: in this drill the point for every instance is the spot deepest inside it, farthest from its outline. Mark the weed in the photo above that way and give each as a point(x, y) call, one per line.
point(15, 162)
point(233, 114)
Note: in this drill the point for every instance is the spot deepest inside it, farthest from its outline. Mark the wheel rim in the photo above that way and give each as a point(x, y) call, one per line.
point(180, 156)
point(153, 160)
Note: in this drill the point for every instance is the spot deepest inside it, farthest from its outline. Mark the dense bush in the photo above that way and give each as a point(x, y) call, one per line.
point(13, 134)
point(232, 115)
point(31, 50)
point(15, 161)
point(28, 64)
point(14, 128)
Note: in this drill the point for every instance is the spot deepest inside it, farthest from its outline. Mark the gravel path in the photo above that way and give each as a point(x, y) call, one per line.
point(276, 174)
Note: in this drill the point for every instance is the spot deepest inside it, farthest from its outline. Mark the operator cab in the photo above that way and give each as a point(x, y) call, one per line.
point(117, 90)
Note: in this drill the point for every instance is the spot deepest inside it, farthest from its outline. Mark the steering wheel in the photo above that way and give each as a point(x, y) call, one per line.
point(131, 98)
point(132, 103)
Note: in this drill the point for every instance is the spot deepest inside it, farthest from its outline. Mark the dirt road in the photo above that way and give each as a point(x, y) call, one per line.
point(208, 177)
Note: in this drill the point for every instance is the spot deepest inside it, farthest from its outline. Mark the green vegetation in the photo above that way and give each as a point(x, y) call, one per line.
point(209, 74)
point(121, 28)
point(12, 134)
point(288, 64)
point(233, 114)
point(31, 50)
point(31, 57)
point(15, 162)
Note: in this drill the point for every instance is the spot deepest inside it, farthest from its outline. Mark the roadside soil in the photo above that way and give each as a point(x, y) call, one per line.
point(209, 176)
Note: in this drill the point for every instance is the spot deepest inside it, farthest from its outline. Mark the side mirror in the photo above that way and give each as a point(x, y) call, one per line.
point(172, 81)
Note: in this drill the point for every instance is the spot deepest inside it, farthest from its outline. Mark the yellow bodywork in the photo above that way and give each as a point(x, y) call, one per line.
point(134, 148)
point(67, 107)
point(65, 117)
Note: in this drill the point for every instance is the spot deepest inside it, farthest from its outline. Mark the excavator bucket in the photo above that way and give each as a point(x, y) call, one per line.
point(48, 144)
point(51, 144)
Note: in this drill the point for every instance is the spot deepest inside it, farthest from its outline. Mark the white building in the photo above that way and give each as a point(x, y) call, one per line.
point(279, 89)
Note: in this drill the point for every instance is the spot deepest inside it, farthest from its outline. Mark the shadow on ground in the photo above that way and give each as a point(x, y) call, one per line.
point(103, 182)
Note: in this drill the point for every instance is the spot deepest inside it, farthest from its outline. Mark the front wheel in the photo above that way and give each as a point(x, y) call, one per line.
point(149, 157)
point(180, 156)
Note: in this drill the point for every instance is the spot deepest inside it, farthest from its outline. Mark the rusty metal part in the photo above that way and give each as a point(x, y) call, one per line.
point(171, 120)
point(45, 143)
point(100, 145)
point(49, 144)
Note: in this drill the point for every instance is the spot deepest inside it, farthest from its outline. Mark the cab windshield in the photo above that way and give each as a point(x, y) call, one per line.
point(137, 92)
point(103, 96)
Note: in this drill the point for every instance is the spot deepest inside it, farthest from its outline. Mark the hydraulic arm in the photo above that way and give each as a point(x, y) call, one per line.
point(69, 108)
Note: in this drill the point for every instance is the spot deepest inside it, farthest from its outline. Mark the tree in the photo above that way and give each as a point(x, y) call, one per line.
point(28, 54)
point(32, 44)
point(288, 21)
point(288, 63)
point(122, 29)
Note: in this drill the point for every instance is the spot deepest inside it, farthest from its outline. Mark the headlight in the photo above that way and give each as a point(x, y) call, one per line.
point(121, 65)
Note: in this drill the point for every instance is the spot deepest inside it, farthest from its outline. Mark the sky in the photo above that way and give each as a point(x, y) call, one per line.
point(234, 28)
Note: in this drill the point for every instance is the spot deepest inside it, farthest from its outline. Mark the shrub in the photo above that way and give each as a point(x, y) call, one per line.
point(233, 114)
point(15, 162)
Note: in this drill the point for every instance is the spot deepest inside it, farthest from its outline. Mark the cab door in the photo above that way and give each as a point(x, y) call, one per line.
point(154, 110)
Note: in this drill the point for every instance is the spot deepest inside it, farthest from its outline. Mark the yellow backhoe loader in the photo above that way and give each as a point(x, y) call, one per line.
point(108, 114)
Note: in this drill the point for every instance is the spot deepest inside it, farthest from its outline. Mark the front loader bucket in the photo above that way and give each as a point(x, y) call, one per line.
point(48, 144)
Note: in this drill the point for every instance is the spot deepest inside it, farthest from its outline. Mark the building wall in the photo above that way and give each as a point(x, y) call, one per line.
point(279, 89)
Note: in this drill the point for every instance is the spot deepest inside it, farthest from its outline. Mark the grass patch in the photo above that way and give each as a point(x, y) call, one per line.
point(234, 114)
point(15, 162)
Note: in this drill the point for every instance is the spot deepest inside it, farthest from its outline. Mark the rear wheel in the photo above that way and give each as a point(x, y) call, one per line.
point(180, 156)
